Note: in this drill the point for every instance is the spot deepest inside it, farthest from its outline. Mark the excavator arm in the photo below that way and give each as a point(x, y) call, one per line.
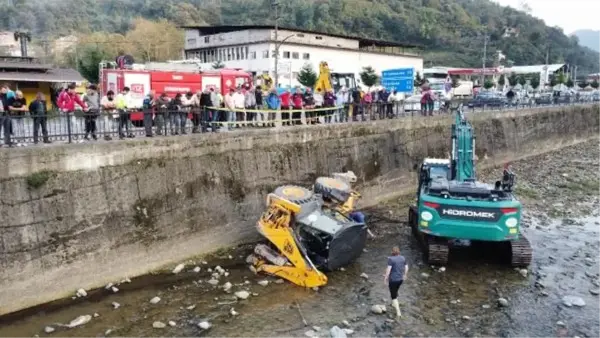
point(463, 149)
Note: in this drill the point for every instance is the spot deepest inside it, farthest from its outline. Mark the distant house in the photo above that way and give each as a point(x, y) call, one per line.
point(510, 32)
point(8, 45)
point(30, 76)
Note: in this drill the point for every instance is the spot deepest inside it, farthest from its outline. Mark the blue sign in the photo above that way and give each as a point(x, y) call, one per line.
point(401, 79)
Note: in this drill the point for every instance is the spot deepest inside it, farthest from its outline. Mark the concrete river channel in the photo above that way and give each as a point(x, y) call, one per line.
point(557, 296)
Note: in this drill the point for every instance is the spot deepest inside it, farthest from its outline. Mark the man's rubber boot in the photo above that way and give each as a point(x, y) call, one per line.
point(397, 307)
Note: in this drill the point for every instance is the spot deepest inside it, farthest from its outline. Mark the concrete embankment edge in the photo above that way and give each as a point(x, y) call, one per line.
point(85, 215)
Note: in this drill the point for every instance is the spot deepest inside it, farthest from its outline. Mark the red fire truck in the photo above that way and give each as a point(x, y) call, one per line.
point(166, 78)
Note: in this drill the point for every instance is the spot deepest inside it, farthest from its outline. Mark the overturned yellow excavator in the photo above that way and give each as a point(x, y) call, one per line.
point(310, 231)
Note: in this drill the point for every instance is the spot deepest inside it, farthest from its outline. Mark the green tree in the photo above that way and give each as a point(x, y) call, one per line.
point(522, 80)
point(368, 76)
point(218, 65)
point(582, 84)
point(535, 81)
point(501, 81)
point(307, 76)
point(569, 83)
point(561, 78)
point(488, 84)
point(513, 80)
point(88, 64)
point(595, 84)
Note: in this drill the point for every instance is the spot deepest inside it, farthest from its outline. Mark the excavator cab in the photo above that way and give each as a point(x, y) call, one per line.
point(340, 80)
point(308, 235)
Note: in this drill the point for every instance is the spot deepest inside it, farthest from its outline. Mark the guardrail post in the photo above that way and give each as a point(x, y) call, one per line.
point(302, 116)
point(278, 117)
point(68, 127)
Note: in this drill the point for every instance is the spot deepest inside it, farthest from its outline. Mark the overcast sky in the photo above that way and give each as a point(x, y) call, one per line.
point(570, 15)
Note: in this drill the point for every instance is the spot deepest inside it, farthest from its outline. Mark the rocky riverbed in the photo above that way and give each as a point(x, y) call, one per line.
point(473, 296)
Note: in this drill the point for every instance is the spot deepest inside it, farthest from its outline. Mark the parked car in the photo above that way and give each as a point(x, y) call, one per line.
point(562, 98)
point(413, 103)
point(544, 98)
point(488, 99)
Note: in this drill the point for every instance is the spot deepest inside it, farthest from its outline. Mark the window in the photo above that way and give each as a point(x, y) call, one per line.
point(286, 55)
point(295, 55)
point(252, 55)
point(229, 54)
point(300, 35)
point(246, 52)
point(319, 37)
point(206, 39)
point(237, 53)
point(265, 54)
point(305, 56)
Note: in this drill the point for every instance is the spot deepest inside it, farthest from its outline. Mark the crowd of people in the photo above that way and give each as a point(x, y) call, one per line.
point(207, 110)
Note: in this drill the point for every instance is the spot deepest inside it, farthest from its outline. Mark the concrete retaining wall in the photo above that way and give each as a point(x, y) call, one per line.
point(84, 215)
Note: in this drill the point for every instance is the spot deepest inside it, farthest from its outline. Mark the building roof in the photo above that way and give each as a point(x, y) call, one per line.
point(536, 68)
point(52, 75)
point(363, 42)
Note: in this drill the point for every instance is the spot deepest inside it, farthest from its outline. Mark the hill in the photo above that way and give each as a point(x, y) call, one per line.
point(588, 38)
point(451, 30)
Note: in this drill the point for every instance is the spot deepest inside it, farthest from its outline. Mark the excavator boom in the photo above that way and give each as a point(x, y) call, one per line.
point(463, 149)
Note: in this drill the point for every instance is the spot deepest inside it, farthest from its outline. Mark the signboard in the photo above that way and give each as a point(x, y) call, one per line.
point(401, 79)
point(284, 67)
point(139, 83)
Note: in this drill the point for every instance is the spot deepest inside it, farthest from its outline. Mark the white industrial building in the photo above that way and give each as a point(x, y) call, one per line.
point(252, 48)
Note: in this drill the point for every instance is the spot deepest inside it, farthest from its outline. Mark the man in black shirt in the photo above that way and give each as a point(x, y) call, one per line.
point(37, 109)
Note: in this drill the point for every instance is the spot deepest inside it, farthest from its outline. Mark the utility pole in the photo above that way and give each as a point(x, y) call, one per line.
point(546, 79)
point(485, 40)
point(275, 4)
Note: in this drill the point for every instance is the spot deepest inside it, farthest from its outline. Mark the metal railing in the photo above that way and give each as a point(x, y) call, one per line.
point(27, 129)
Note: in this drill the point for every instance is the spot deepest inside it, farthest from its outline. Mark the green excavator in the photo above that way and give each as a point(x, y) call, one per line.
point(454, 209)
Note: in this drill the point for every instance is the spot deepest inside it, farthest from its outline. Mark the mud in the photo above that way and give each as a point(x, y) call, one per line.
point(561, 218)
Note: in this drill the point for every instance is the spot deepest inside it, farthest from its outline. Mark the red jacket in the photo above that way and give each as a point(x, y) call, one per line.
point(297, 100)
point(67, 101)
point(285, 99)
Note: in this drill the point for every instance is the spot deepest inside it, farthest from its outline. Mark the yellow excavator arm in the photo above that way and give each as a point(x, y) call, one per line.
point(275, 224)
point(324, 80)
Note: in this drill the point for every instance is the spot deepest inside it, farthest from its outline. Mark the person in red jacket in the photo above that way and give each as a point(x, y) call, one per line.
point(285, 98)
point(68, 98)
point(66, 103)
point(297, 103)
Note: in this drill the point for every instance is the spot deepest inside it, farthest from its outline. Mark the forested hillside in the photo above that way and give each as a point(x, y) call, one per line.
point(452, 31)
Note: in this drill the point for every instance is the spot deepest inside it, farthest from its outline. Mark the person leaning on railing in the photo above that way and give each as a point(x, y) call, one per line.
point(92, 100)
point(123, 105)
point(38, 111)
point(66, 102)
point(205, 104)
point(329, 102)
point(18, 108)
point(109, 108)
point(273, 103)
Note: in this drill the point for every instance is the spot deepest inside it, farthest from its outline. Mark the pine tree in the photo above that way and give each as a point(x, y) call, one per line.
point(418, 80)
point(535, 81)
point(488, 84)
point(513, 80)
point(307, 76)
point(595, 84)
point(218, 65)
point(569, 83)
point(369, 77)
point(522, 80)
point(501, 81)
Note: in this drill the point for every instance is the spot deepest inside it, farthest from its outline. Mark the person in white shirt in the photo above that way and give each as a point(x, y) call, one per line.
point(239, 104)
point(230, 105)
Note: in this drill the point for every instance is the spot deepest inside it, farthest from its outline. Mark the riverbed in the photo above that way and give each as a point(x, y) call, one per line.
point(561, 219)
